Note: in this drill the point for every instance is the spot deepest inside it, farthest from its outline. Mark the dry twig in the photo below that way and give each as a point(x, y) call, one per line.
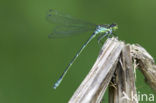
point(114, 65)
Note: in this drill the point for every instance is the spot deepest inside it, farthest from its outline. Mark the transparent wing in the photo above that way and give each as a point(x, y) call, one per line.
point(64, 31)
point(62, 19)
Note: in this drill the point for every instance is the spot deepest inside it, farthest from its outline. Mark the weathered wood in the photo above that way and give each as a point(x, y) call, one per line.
point(124, 80)
point(115, 61)
point(146, 64)
point(94, 85)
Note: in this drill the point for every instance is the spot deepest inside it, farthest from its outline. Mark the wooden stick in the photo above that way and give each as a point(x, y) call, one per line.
point(94, 85)
point(146, 64)
point(115, 59)
point(125, 89)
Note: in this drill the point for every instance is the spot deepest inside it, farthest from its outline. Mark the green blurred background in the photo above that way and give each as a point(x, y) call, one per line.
point(30, 62)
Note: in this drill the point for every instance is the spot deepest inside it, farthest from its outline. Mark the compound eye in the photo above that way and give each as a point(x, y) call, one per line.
point(112, 25)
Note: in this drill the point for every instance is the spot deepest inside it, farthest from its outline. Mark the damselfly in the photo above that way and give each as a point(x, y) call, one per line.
point(66, 25)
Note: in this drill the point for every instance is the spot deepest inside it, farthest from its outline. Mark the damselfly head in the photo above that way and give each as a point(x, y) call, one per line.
point(113, 26)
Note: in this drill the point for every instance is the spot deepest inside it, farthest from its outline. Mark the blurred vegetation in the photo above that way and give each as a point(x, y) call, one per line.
point(30, 62)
